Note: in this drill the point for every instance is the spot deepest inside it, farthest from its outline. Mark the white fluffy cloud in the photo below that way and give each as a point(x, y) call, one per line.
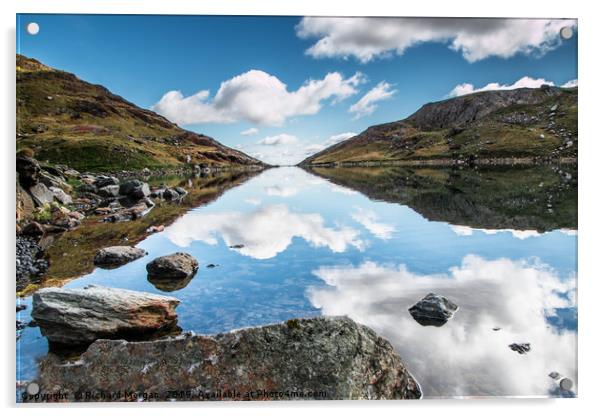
point(570, 84)
point(476, 39)
point(369, 219)
point(334, 139)
point(314, 148)
point(337, 138)
point(257, 97)
point(464, 357)
point(465, 231)
point(264, 232)
point(249, 132)
point(524, 82)
point(366, 105)
point(278, 140)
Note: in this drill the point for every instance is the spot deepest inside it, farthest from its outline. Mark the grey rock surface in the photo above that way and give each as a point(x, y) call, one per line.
point(433, 310)
point(301, 359)
point(109, 191)
point(72, 317)
point(473, 107)
point(61, 196)
point(41, 194)
point(173, 266)
point(117, 255)
point(134, 189)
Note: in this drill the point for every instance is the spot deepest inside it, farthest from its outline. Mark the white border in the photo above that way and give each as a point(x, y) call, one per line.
point(590, 151)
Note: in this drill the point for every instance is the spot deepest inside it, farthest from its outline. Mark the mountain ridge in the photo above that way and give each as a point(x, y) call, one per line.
point(521, 123)
point(66, 120)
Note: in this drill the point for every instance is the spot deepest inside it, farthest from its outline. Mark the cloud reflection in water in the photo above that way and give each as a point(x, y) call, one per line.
point(264, 233)
point(465, 357)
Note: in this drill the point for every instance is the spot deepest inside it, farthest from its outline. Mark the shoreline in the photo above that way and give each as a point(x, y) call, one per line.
point(509, 161)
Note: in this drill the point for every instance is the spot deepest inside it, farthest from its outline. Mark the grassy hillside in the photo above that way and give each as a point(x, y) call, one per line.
point(523, 123)
point(69, 121)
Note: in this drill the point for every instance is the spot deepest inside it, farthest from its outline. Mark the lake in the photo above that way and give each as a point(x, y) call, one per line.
point(500, 242)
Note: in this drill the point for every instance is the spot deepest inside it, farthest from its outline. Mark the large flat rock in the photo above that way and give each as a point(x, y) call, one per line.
point(319, 358)
point(71, 317)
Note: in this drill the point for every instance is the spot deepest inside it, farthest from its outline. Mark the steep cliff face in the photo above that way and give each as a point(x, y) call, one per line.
point(524, 123)
point(69, 121)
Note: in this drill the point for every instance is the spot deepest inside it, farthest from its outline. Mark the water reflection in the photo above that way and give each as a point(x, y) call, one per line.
point(465, 357)
point(539, 198)
point(262, 233)
point(370, 243)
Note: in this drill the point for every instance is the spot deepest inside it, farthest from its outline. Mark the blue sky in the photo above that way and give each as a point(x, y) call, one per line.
point(295, 85)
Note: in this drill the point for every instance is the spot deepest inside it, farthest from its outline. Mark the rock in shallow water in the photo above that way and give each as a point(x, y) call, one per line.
point(433, 310)
point(173, 266)
point(70, 317)
point(332, 358)
point(520, 348)
point(117, 255)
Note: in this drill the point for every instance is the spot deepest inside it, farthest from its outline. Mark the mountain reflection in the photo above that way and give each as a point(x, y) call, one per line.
point(263, 233)
point(465, 357)
point(539, 198)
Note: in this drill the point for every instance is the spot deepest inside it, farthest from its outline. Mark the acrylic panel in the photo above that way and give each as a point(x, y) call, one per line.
point(295, 208)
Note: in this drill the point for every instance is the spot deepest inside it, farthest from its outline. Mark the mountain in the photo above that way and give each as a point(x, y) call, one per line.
point(69, 121)
point(520, 123)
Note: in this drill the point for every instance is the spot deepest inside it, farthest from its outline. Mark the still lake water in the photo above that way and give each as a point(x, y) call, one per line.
point(369, 243)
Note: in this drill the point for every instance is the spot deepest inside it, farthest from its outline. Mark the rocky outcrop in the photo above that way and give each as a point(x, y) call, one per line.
point(110, 257)
point(173, 266)
point(134, 189)
point(473, 107)
point(71, 317)
point(433, 310)
point(320, 358)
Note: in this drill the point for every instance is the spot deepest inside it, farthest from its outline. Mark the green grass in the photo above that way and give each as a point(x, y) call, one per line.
point(65, 120)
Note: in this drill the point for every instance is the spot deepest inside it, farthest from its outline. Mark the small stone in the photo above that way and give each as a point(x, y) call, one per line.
point(117, 255)
point(155, 228)
point(520, 348)
point(433, 310)
point(173, 266)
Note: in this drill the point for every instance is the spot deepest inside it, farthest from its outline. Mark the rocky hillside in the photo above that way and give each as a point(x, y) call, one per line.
point(536, 123)
point(69, 121)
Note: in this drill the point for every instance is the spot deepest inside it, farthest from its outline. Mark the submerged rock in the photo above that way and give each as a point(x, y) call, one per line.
point(433, 310)
point(71, 317)
point(302, 359)
point(117, 255)
point(520, 348)
point(173, 266)
point(169, 285)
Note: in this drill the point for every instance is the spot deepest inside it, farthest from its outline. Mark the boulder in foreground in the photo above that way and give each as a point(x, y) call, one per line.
point(117, 255)
point(319, 358)
point(433, 310)
point(173, 266)
point(72, 317)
